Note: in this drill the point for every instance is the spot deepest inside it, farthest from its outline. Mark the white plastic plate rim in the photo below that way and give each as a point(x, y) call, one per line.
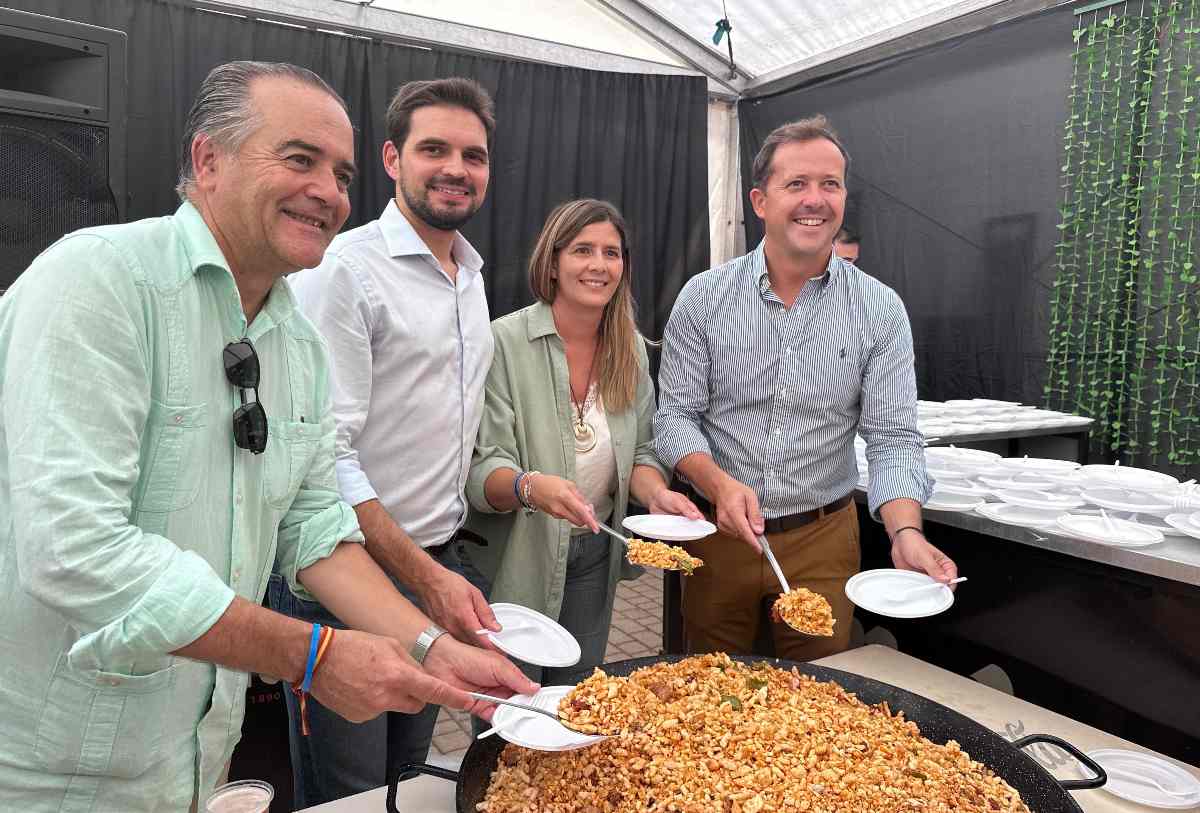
point(554, 646)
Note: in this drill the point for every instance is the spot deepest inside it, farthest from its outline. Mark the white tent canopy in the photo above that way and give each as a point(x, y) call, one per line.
point(775, 45)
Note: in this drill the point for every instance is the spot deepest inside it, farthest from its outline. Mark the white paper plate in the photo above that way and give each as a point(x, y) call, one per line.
point(994, 403)
point(529, 730)
point(966, 488)
point(1125, 534)
point(1019, 515)
point(1194, 519)
point(1127, 771)
point(1006, 481)
point(1042, 500)
point(1129, 477)
point(1183, 524)
point(1164, 524)
point(959, 456)
point(944, 471)
point(669, 527)
point(870, 589)
point(540, 640)
point(1120, 499)
point(949, 501)
point(1038, 465)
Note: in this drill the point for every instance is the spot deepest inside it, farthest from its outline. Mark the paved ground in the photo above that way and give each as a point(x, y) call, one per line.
point(636, 632)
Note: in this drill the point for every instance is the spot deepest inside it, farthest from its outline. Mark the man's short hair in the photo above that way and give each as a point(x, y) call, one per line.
point(809, 129)
point(222, 108)
point(846, 236)
point(455, 91)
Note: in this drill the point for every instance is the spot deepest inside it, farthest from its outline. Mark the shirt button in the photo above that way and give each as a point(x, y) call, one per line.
point(114, 682)
point(239, 498)
point(778, 431)
point(789, 349)
point(783, 390)
point(237, 574)
point(178, 419)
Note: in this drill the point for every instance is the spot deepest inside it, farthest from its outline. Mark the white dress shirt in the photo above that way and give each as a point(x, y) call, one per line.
point(410, 350)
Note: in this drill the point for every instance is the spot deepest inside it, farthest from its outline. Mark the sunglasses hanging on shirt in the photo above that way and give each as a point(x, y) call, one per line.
point(250, 419)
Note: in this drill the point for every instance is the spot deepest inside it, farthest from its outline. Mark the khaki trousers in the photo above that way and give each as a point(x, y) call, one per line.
point(723, 602)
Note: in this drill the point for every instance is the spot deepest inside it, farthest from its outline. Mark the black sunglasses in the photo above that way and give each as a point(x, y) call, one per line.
point(250, 419)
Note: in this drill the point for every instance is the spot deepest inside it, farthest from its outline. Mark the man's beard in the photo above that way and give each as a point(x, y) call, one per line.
point(419, 206)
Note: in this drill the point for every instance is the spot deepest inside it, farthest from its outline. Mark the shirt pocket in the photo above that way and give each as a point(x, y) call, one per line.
point(291, 448)
point(103, 724)
point(174, 465)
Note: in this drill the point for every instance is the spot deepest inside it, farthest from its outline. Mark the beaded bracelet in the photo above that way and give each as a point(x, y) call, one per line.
point(517, 485)
point(527, 491)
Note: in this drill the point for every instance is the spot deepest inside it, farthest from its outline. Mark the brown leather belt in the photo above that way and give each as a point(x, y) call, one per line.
point(775, 525)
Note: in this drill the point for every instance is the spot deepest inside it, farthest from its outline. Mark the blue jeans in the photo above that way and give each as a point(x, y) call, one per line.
point(340, 758)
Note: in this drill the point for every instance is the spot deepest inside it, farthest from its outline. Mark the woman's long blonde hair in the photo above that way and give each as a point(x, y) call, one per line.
point(617, 364)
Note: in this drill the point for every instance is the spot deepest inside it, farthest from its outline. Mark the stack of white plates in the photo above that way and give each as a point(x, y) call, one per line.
point(1110, 531)
point(1188, 524)
point(943, 500)
point(1024, 516)
point(1122, 499)
point(1130, 478)
point(1041, 500)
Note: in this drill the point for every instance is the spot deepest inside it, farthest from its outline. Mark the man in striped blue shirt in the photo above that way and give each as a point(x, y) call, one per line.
point(771, 363)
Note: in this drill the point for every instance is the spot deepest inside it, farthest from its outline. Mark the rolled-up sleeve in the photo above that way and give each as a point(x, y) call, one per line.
point(888, 423)
point(318, 520)
point(76, 399)
point(333, 296)
point(496, 442)
point(683, 380)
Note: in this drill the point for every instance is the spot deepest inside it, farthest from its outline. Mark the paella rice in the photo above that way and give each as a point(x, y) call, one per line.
point(666, 557)
point(602, 704)
point(804, 610)
point(725, 737)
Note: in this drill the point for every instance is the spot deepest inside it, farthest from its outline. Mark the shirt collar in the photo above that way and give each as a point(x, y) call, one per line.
point(540, 322)
point(402, 240)
point(198, 241)
point(203, 252)
point(758, 268)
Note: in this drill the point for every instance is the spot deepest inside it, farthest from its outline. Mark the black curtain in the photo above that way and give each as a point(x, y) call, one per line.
point(954, 188)
point(638, 141)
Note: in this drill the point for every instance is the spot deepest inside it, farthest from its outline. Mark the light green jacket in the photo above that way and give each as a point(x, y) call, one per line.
point(128, 518)
point(527, 426)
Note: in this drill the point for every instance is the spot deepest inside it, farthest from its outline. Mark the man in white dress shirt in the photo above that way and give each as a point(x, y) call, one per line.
point(401, 302)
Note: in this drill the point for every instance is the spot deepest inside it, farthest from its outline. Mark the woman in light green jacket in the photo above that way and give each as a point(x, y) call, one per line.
point(566, 436)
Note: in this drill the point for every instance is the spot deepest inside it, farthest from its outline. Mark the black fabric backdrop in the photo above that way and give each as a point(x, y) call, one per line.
point(639, 141)
point(955, 154)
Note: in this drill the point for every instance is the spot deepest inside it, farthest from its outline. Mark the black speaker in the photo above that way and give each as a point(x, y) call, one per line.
point(62, 133)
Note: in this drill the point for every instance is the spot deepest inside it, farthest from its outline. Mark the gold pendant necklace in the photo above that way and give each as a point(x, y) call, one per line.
point(585, 433)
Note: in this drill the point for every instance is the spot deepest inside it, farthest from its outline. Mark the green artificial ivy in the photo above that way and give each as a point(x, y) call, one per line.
point(1124, 335)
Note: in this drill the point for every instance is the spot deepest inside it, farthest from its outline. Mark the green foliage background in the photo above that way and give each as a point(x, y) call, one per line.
point(1124, 335)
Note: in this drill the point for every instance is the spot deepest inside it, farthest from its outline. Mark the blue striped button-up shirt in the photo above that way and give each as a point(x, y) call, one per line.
point(775, 394)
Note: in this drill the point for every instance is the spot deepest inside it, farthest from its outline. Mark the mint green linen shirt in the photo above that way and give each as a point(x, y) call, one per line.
point(526, 425)
point(129, 519)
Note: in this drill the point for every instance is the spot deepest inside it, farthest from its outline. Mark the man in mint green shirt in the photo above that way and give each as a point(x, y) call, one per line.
point(141, 519)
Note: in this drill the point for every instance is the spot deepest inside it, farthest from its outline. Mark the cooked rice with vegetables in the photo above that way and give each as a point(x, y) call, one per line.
point(725, 737)
point(666, 557)
point(804, 610)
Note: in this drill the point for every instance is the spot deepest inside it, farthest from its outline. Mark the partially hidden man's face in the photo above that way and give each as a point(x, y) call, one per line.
point(804, 198)
point(847, 251)
point(282, 197)
point(442, 169)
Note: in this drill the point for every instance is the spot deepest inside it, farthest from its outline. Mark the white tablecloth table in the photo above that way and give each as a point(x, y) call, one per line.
point(1003, 714)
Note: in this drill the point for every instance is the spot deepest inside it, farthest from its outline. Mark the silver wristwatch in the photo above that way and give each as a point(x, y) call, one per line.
point(420, 647)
